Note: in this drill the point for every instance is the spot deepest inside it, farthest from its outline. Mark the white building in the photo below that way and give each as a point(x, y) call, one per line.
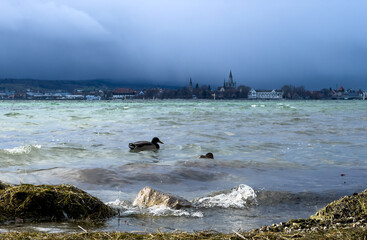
point(74, 97)
point(93, 98)
point(265, 94)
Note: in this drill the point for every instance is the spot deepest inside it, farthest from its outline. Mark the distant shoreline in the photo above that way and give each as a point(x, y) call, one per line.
point(32, 89)
point(174, 99)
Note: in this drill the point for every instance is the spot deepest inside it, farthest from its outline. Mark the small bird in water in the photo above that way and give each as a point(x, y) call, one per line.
point(145, 145)
point(208, 155)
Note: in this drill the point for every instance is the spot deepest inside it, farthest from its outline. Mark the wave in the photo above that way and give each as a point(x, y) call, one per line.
point(241, 196)
point(257, 105)
point(12, 114)
point(272, 198)
point(26, 149)
point(80, 118)
point(127, 210)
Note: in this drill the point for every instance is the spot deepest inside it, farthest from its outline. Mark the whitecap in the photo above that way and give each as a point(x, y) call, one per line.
point(166, 211)
point(22, 149)
point(239, 197)
point(117, 203)
point(229, 133)
point(126, 209)
point(48, 229)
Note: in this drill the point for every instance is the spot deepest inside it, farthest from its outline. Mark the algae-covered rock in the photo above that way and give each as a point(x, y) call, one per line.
point(4, 185)
point(354, 206)
point(148, 197)
point(50, 202)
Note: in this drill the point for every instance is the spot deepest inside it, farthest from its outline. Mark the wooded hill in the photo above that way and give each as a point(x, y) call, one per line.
point(70, 85)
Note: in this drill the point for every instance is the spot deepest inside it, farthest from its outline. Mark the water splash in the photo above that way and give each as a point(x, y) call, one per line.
point(239, 197)
point(126, 209)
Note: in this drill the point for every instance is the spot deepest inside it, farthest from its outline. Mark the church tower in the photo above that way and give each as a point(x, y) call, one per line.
point(230, 84)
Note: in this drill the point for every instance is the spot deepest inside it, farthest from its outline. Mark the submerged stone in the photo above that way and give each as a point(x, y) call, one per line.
point(148, 197)
point(50, 202)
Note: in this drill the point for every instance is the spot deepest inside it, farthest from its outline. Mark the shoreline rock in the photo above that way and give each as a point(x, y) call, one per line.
point(348, 207)
point(345, 213)
point(28, 202)
point(148, 197)
point(4, 186)
point(345, 218)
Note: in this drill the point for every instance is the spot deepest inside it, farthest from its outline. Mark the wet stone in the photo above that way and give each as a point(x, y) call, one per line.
point(50, 203)
point(149, 197)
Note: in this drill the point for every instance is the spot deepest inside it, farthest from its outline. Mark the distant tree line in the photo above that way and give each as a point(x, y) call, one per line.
point(22, 89)
point(199, 92)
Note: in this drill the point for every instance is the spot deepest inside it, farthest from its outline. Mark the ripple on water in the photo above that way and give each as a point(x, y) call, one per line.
point(80, 117)
point(12, 114)
point(137, 174)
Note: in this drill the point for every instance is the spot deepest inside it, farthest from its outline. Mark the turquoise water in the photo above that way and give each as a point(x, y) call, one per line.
point(291, 153)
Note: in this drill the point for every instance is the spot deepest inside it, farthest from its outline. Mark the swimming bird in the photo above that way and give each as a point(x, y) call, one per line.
point(145, 145)
point(208, 155)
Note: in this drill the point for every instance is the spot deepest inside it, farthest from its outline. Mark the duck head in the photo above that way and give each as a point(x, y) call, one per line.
point(208, 155)
point(156, 140)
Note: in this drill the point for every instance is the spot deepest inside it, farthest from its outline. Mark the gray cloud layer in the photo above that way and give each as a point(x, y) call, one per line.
point(266, 43)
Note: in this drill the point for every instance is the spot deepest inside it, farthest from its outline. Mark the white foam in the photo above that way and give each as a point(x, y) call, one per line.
point(116, 203)
point(229, 133)
point(48, 230)
point(126, 209)
point(238, 197)
point(166, 211)
point(22, 149)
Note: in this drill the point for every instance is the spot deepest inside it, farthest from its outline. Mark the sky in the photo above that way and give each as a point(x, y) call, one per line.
point(266, 43)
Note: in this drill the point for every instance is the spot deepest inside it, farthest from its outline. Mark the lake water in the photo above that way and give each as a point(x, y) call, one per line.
point(285, 159)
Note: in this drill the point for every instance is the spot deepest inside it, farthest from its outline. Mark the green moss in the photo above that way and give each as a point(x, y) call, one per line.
point(354, 206)
point(50, 202)
point(342, 219)
point(4, 186)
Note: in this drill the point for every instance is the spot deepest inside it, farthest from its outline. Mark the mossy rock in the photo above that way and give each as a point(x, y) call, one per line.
point(354, 206)
point(4, 185)
point(50, 202)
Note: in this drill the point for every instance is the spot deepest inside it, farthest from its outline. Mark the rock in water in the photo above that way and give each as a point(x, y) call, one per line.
point(50, 203)
point(4, 186)
point(347, 207)
point(148, 197)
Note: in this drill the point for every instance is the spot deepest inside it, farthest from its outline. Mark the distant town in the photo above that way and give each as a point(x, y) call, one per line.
point(20, 89)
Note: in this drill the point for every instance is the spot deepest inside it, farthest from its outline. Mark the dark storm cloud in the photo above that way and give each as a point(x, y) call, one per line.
point(265, 43)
